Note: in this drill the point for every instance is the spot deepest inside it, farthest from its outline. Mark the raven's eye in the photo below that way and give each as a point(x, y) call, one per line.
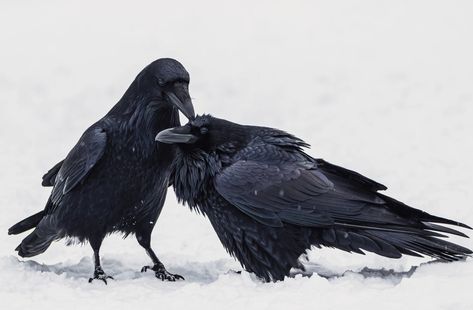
point(204, 130)
point(161, 82)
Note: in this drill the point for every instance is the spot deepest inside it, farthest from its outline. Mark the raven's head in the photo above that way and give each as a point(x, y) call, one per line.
point(206, 144)
point(206, 133)
point(167, 79)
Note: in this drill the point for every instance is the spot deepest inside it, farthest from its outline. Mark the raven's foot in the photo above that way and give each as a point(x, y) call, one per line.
point(99, 274)
point(161, 273)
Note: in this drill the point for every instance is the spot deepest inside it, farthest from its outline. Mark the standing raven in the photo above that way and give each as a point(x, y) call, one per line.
point(115, 178)
point(269, 202)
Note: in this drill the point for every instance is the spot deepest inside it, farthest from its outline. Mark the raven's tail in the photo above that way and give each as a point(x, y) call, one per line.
point(38, 241)
point(26, 224)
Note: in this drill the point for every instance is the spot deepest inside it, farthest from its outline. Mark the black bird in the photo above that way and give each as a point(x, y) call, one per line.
point(269, 202)
point(115, 178)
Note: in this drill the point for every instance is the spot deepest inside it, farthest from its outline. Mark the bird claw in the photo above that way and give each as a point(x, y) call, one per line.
point(161, 273)
point(99, 274)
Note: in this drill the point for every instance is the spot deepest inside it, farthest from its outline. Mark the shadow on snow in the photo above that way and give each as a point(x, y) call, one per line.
point(197, 272)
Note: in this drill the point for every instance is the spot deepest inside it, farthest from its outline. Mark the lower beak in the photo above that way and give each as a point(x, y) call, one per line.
point(179, 96)
point(176, 135)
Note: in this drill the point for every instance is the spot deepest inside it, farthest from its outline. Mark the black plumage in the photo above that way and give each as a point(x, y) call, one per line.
point(116, 177)
point(269, 202)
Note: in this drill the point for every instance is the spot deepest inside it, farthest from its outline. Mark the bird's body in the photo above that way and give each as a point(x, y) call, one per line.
point(116, 177)
point(269, 202)
point(132, 175)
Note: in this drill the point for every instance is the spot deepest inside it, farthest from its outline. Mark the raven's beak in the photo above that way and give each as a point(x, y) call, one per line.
point(179, 96)
point(176, 135)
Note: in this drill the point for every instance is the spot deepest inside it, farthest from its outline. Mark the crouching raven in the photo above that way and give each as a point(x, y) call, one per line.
point(116, 177)
point(269, 202)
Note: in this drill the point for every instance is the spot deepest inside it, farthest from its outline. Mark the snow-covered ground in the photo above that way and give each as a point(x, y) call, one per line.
point(382, 87)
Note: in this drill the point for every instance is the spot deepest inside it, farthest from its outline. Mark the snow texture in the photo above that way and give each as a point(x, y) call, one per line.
point(382, 87)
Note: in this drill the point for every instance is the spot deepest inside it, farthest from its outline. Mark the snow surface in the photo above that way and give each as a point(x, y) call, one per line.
point(382, 87)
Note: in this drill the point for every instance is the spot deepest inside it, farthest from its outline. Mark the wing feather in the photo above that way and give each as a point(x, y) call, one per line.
point(79, 162)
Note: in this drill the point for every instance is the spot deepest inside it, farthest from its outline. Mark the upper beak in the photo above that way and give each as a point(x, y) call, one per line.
point(179, 96)
point(176, 135)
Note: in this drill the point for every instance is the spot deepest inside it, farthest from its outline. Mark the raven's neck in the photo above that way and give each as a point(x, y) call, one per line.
point(192, 176)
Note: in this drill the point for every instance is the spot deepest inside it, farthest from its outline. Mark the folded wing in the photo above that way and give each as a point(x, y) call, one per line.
point(79, 162)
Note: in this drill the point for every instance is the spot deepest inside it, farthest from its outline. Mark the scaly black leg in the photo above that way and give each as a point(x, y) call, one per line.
point(98, 271)
point(158, 267)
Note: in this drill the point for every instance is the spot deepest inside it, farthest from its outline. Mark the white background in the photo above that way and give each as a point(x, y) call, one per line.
point(381, 87)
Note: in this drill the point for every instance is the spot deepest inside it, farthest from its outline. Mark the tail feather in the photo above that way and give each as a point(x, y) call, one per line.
point(36, 243)
point(38, 240)
point(26, 224)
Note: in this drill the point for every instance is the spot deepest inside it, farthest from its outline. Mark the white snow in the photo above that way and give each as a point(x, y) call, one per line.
point(382, 87)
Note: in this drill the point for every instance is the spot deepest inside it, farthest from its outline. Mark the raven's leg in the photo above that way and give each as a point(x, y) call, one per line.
point(98, 271)
point(144, 239)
